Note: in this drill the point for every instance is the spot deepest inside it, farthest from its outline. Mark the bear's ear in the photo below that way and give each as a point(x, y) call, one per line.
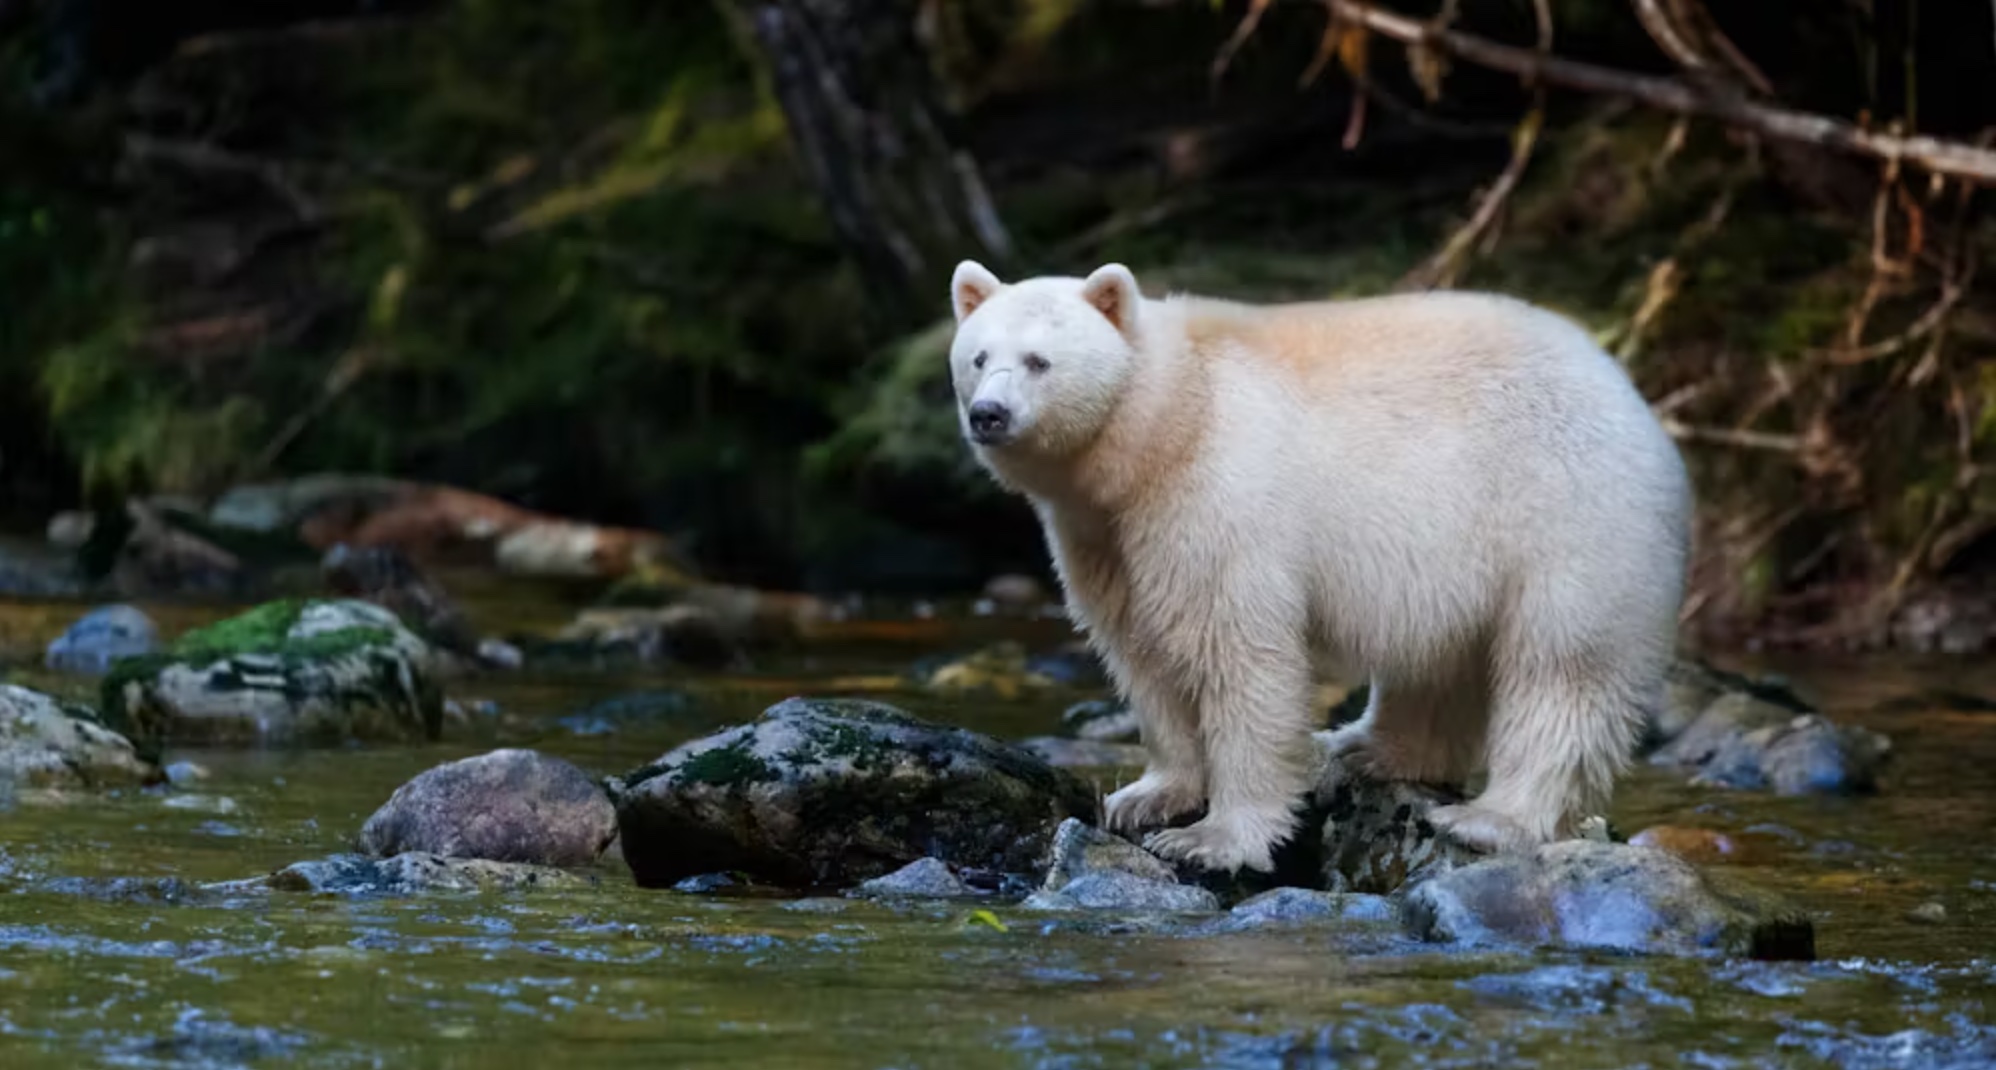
point(971, 286)
point(1113, 291)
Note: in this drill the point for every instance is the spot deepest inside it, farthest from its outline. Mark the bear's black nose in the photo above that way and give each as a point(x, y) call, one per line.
point(989, 420)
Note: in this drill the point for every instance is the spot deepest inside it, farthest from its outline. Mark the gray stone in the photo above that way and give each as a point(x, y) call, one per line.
point(315, 672)
point(832, 792)
point(1108, 720)
point(100, 638)
point(924, 878)
point(406, 874)
point(1374, 836)
point(1581, 894)
point(1084, 753)
point(1079, 849)
point(1743, 741)
point(1279, 905)
point(1118, 890)
point(44, 744)
point(505, 806)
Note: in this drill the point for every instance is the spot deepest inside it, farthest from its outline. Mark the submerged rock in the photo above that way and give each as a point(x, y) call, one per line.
point(285, 672)
point(1084, 753)
point(688, 634)
point(101, 637)
point(1000, 670)
point(1586, 894)
point(44, 744)
point(406, 874)
point(1108, 720)
point(1741, 740)
point(924, 878)
point(831, 792)
point(505, 806)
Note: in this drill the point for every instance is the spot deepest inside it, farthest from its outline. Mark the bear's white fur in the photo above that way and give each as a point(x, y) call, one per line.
point(1459, 495)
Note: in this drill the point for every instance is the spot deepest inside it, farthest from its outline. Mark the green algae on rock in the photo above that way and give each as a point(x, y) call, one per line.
point(285, 672)
point(44, 744)
point(831, 792)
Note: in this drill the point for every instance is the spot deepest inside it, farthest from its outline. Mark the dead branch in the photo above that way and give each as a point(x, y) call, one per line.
point(1440, 269)
point(1949, 158)
point(199, 156)
point(1746, 440)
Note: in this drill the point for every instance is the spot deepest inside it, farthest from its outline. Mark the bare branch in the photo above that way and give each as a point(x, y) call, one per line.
point(1673, 95)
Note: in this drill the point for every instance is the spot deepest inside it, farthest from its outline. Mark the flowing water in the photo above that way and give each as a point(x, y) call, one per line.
point(106, 961)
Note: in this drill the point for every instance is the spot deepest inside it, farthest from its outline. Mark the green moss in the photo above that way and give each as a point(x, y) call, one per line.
point(728, 765)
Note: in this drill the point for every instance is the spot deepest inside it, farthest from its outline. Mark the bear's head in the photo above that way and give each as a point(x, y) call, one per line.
point(1039, 364)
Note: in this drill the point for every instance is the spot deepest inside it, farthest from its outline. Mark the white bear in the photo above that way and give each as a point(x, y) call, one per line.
point(1458, 495)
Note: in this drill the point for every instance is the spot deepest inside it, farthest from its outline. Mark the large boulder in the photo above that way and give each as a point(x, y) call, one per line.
point(285, 672)
point(505, 806)
point(44, 744)
point(1608, 896)
point(829, 793)
point(100, 638)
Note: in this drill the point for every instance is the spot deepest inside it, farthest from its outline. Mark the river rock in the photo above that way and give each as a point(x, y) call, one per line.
point(44, 744)
point(831, 792)
point(387, 577)
point(505, 806)
point(1369, 836)
point(1108, 720)
point(1742, 740)
point(999, 671)
point(1069, 665)
point(924, 878)
point(1125, 892)
point(1084, 753)
point(689, 634)
point(285, 672)
point(1287, 905)
point(101, 637)
point(1583, 894)
point(1088, 868)
point(406, 874)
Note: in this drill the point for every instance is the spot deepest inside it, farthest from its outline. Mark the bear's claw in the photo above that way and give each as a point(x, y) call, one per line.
point(1153, 799)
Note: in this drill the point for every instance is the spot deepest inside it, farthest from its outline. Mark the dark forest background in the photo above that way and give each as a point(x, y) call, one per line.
point(682, 266)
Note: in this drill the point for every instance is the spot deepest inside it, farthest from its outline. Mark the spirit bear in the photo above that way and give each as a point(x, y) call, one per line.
point(1458, 495)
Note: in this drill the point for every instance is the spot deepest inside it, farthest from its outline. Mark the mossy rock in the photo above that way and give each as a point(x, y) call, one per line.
point(829, 793)
point(309, 672)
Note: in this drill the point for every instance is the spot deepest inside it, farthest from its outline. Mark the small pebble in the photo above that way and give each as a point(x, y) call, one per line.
point(1928, 914)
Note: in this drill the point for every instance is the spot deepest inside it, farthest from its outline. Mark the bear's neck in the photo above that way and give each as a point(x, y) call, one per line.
point(1147, 446)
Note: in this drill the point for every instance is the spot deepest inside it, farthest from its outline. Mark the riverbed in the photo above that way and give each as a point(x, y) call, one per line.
point(108, 957)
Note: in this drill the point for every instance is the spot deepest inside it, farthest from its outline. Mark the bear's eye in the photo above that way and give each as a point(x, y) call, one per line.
point(978, 361)
point(1036, 363)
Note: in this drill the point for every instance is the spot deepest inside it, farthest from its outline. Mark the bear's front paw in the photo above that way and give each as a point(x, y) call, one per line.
point(1153, 799)
point(1483, 830)
point(1220, 844)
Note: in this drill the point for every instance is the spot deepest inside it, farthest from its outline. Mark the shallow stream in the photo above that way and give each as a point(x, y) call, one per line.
point(106, 961)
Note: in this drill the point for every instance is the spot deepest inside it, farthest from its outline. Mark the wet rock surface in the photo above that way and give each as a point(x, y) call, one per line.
point(285, 672)
point(1586, 894)
point(1289, 905)
point(505, 806)
point(924, 878)
point(1109, 720)
point(1091, 869)
point(685, 634)
point(828, 793)
point(386, 577)
point(45, 744)
point(100, 638)
point(405, 874)
point(1730, 731)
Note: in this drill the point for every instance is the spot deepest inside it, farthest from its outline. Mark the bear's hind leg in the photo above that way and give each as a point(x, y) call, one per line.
point(1428, 731)
point(1561, 729)
point(1174, 779)
point(1255, 719)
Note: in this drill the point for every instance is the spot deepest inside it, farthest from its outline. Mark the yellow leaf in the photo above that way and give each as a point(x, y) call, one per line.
point(985, 917)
